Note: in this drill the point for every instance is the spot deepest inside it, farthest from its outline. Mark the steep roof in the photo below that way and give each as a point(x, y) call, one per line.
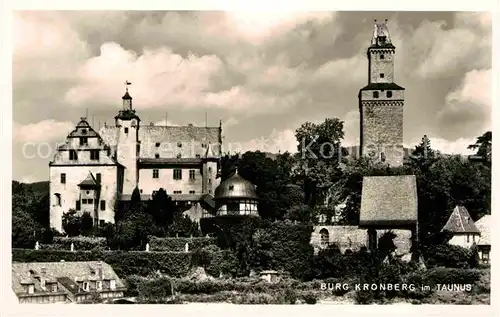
point(89, 181)
point(460, 222)
point(484, 226)
point(23, 273)
point(388, 201)
point(235, 187)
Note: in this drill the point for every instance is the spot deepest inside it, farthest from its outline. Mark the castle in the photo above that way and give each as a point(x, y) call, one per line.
point(94, 170)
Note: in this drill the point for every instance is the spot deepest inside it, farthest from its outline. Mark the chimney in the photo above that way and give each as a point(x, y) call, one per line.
point(99, 270)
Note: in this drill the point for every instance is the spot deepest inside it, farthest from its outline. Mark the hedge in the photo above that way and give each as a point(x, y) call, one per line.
point(448, 255)
point(124, 263)
point(178, 244)
point(79, 243)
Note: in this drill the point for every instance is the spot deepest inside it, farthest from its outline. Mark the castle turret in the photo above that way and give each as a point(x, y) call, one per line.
point(127, 150)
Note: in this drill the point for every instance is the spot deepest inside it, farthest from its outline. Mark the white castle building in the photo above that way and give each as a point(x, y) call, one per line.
point(93, 170)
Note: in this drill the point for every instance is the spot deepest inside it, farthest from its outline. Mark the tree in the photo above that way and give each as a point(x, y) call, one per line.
point(183, 226)
point(86, 224)
point(483, 146)
point(162, 208)
point(23, 229)
point(423, 156)
point(319, 155)
point(71, 223)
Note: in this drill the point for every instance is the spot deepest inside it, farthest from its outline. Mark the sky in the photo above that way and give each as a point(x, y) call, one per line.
point(263, 74)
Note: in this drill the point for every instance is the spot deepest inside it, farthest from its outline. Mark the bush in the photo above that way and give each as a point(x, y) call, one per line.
point(448, 255)
point(178, 244)
point(443, 275)
point(124, 263)
point(80, 243)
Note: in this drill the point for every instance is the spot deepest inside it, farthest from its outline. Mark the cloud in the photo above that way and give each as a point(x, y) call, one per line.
point(278, 141)
point(458, 146)
point(43, 131)
point(342, 71)
point(351, 129)
point(45, 47)
point(468, 108)
point(468, 45)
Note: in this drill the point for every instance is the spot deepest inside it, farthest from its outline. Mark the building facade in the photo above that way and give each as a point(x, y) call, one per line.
point(65, 282)
point(95, 169)
point(381, 103)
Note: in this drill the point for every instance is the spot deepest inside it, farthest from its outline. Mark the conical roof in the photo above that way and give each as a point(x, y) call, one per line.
point(460, 222)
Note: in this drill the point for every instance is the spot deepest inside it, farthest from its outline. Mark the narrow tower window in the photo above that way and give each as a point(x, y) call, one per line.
point(375, 94)
point(126, 130)
point(156, 173)
point(382, 75)
point(382, 56)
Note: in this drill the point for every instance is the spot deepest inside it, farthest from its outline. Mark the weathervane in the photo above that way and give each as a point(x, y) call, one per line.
point(127, 83)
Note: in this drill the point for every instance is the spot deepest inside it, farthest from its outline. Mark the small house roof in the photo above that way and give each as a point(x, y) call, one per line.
point(89, 181)
point(484, 227)
point(460, 222)
point(388, 201)
point(23, 273)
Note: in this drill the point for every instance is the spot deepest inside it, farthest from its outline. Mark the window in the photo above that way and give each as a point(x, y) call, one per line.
point(94, 155)
point(382, 56)
point(177, 192)
point(203, 145)
point(382, 75)
point(382, 157)
point(231, 187)
point(324, 237)
point(210, 181)
point(192, 174)
point(389, 94)
point(197, 155)
point(179, 155)
point(77, 207)
point(157, 144)
point(58, 199)
point(101, 222)
point(126, 130)
point(177, 174)
point(179, 144)
point(98, 178)
point(157, 155)
point(86, 286)
point(73, 155)
point(63, 178)
point(112, 284)
point(103, 205)
point(31, 289)
point(84, 141)
point(192, 192)
point(84, 131)
point(156, 173)
point(375, 94)
point(210, 191)
point(84, 201)
point(99, 285)
point(233, 208)
point(90, 201)
point(54, 288)
point(468, 238)
point(210, 170)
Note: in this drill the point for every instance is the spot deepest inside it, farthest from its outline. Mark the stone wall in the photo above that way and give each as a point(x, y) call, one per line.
point(380, 65)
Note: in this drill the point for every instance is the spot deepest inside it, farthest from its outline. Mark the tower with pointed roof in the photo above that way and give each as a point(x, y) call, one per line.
point(127, 123)
point(381, 102)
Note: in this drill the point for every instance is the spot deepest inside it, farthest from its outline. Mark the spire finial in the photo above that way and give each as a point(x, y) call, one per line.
point(127, 83)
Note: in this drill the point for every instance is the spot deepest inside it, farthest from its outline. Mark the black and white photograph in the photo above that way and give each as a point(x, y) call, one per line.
point(310, 157)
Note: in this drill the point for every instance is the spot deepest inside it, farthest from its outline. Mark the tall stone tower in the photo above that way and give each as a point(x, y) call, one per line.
point(381, 103)
point(127, 123)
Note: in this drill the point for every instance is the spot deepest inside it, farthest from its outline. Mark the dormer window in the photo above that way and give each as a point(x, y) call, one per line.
point(112, 284)
point(94, 155)
point(84, 131)
point(86, 286)
point(231, 187)
point(54, 288)
point(375, 94)
point(73, 156)
point(31, 288)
